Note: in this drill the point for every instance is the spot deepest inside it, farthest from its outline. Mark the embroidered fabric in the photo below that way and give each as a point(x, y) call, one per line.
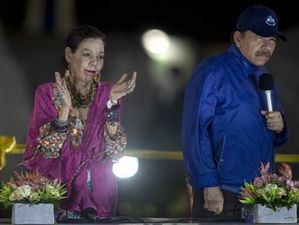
point(50, 141)
point(116, 145)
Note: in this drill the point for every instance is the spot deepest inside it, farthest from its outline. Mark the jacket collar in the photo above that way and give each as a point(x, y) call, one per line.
point(249, 68)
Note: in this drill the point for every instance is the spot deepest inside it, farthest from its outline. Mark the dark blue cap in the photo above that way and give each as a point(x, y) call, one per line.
point(261, 21)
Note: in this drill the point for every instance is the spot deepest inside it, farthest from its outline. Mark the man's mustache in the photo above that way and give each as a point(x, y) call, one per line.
point(263, 53)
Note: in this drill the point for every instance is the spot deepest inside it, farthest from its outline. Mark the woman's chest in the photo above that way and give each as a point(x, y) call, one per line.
point(81, 113)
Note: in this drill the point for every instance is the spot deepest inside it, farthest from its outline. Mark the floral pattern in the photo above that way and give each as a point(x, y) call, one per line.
point(115, 146)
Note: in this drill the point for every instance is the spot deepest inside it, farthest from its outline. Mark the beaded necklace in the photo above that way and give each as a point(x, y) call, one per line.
point(78, 100)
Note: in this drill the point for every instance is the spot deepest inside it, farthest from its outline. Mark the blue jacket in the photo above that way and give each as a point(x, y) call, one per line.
point(224, 135)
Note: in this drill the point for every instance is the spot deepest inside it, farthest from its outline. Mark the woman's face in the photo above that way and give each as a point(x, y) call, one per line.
point(87, 61)
point(258, 50)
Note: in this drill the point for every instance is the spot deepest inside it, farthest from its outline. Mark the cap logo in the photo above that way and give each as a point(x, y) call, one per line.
point(270, 21)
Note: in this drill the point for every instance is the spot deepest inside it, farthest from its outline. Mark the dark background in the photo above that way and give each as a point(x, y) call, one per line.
point(152, 116)
point(202, 20)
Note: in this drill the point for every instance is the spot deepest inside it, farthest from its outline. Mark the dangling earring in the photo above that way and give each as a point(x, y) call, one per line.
point(67, 73)
point(97, 78)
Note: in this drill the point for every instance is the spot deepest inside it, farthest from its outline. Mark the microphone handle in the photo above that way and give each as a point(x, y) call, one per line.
point(269, 100)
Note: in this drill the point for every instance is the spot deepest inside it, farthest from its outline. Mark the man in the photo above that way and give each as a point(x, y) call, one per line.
point(227, 131)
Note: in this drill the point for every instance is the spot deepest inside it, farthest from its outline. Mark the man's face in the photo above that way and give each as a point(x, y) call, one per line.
point(258, 50)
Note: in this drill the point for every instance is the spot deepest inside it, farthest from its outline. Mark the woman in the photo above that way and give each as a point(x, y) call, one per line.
point(75, 133)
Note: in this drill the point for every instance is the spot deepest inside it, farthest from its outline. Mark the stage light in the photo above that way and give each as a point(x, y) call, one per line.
point(156, 43)
point(126, 167)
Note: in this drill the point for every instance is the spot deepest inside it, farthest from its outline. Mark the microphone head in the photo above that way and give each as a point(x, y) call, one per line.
point(266, 82)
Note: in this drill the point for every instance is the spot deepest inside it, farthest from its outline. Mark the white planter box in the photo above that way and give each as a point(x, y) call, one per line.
point(262, 214)
point(32, 214)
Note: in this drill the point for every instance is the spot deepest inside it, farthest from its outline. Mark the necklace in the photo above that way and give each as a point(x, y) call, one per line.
point(78, 100)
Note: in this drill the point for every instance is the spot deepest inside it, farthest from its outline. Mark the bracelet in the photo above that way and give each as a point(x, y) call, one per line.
point(62, 123)
point(113, 115)
point(60, 126)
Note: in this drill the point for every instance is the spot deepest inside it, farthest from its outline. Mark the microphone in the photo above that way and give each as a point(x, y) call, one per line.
point(266, 85)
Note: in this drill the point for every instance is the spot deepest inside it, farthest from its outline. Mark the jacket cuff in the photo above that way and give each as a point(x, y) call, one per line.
point(205, 180)
point(282, 137)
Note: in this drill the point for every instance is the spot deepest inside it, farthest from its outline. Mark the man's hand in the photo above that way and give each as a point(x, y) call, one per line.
point(274, 120)
point(213, 199)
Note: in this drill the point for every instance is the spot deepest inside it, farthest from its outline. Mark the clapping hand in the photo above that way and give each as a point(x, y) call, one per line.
point(122, 87)
point(63, 92)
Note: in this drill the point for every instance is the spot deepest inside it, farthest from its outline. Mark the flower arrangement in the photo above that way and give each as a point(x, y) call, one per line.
point(271, 190)
point(31, 188)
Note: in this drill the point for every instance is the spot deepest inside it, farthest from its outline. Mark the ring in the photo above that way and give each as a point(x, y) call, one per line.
point(128, 85)
point(128, 91)
point(60, 93)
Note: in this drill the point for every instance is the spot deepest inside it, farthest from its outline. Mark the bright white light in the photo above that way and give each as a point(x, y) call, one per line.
point(155, 42)
point(126, 167)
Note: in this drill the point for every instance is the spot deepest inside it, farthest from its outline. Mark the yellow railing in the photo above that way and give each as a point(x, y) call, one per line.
point(8, 145)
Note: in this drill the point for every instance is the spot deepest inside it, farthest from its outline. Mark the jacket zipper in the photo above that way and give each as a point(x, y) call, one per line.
point(221, 154)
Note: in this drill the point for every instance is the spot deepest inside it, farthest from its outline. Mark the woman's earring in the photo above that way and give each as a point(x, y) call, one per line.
point(97, 78)
point(67, 73)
